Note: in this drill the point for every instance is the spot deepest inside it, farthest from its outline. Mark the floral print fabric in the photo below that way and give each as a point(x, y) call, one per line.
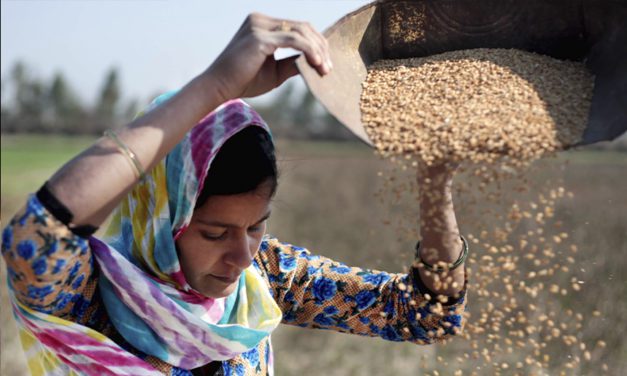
point(51, 270)
point(317, 292)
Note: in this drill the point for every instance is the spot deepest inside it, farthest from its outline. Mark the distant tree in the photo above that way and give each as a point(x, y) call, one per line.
point(106, 114)
point(297, 114)
point(18, 75)
point(131, 111)
point(29, 99)
point(6, 117)
point(278, 113)
point(317, 121)
point(67, 114)
point(37, 106)
point(305, 115)
point(283, 104)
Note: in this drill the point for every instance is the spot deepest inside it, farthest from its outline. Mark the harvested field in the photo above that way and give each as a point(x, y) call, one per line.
point(326, 202)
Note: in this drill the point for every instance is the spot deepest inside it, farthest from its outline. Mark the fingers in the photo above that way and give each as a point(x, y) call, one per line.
point(298, 42)
point(286, 69)
point(318, 40)
point(300, 36)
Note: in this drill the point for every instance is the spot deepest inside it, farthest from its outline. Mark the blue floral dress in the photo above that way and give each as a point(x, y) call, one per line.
point(52, 270)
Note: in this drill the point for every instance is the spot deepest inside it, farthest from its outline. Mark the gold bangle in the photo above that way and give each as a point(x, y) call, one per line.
point(128, 153)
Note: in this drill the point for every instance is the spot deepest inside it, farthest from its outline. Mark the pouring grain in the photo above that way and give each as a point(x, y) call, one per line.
point(495, 111)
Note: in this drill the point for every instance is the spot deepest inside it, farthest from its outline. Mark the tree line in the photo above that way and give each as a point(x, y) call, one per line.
point(42, 106)
point(35, 105)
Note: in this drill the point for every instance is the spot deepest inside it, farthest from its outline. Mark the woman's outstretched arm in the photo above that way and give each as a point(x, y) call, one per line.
point(441, 241)
point(94, 182)
point(317, 292)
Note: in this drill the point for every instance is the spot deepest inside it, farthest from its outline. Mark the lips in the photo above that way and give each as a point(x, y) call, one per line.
point(226, 279)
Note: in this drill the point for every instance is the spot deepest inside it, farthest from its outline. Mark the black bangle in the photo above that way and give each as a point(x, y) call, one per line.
point(441, 269)
point(62, 213)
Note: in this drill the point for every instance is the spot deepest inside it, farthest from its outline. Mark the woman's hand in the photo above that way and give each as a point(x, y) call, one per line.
point(247, 66)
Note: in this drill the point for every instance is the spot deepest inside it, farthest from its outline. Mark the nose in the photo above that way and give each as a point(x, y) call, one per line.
point(239, 254)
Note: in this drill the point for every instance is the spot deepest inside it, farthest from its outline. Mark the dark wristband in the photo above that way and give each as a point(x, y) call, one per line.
point(62, 213)
point(439, 269)
point(424, 290)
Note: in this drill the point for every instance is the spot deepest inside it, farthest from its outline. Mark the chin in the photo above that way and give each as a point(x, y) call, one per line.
point(217, 293)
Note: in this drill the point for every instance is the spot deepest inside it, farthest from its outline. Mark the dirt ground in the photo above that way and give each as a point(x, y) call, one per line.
point(326, 202)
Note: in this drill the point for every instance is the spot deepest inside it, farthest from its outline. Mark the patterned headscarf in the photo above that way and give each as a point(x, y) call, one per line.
point(141, 282)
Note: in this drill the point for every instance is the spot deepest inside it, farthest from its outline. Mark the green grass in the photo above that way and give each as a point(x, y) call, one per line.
point(28, 160)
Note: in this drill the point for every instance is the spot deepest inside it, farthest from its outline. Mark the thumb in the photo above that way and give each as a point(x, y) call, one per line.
point(286, 68)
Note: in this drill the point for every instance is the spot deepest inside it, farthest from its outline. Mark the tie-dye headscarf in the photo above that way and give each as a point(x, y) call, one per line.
point(141, 283)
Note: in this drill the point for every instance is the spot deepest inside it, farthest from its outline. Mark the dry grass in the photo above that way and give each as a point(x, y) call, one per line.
point(326, 202)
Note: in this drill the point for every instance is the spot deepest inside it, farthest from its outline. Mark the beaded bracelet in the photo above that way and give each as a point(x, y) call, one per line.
point(441, 269)
point(128, 153)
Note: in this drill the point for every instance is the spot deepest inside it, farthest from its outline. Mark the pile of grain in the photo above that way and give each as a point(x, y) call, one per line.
point(494, 112)
point(476, 105)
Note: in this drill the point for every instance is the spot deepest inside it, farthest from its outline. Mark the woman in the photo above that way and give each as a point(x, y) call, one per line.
point(185, 280)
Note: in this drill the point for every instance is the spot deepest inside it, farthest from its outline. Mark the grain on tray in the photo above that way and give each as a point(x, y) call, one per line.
point(493, 112)
point(476, 105)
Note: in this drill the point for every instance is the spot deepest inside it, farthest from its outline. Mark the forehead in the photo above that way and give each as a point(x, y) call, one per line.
point(241, 210)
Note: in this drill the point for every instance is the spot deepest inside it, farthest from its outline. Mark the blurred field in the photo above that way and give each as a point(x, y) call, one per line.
point(326, 202)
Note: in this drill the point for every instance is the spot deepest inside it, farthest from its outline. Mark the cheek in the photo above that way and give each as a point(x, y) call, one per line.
point(257, 238)
point(185, 255)
point(195, 255)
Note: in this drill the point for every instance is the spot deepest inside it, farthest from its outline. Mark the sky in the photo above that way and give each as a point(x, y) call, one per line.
point(157, 45)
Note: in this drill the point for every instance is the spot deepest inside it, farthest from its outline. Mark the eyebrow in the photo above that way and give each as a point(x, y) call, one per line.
point(224, 224)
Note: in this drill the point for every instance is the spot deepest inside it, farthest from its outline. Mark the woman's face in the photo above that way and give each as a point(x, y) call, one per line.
point(222, 238)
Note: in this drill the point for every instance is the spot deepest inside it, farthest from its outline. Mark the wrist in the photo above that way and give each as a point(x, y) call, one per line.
point(440, 248)
point(213, 86)
point(441, 269)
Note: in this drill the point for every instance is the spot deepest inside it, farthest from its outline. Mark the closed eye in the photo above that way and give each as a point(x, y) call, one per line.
point(260, 224)
point(213, 237)
point(255, 228)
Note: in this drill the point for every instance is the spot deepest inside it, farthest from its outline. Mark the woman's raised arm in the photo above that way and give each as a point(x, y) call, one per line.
point(94, 182)
point(441, 240)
